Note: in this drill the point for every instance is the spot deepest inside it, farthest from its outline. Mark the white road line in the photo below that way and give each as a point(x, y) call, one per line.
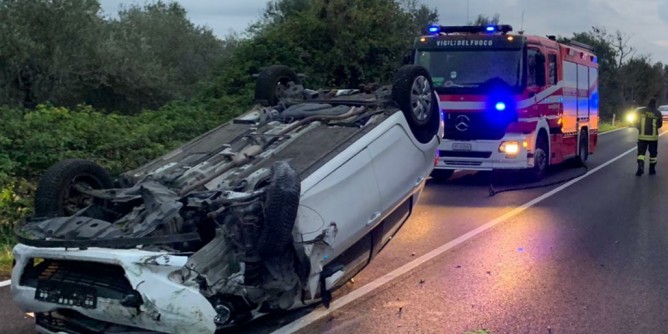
point(5, 283)
point(321, 312)
point(611, 131)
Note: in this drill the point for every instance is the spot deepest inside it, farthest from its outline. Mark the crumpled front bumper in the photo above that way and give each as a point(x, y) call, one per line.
point(167, 306)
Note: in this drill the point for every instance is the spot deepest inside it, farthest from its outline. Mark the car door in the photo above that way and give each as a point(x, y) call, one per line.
point(399, 165)
point(348, 197)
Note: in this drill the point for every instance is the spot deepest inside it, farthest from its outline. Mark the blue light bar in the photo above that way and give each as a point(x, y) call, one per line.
point(500, 106)
point(504, 28)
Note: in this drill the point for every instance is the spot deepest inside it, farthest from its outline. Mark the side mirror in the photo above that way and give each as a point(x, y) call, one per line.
point(540, 70)
point(409, 57)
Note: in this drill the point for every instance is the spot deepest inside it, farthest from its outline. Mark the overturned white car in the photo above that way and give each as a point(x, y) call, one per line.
point(271, 211)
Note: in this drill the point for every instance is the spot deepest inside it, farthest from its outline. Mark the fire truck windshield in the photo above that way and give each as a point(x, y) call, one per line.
point(461, 69)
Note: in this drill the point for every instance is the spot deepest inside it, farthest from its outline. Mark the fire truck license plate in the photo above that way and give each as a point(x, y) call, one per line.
point(461, 147)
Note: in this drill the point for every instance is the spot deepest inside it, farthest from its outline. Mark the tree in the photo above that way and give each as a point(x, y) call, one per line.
point(483, 20)
point(64, 52)
point(421, 15)
point(152, 55)
point(322, 42)
point(46, 48)
point(278, 11)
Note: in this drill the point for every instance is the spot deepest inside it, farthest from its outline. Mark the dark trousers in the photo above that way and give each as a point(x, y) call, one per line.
point(652, 145)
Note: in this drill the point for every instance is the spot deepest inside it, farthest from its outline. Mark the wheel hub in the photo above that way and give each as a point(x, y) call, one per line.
point(540, 159)
point(421, 98)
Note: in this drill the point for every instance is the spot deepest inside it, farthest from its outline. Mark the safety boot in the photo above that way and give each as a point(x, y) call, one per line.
point(641, 168)
point(652, 169)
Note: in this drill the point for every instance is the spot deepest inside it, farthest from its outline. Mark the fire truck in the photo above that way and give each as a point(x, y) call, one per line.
point(510, 101)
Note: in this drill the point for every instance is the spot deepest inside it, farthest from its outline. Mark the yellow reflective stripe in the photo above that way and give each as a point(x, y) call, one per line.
point(653, 160)
point(641, 157)
point(642, 125)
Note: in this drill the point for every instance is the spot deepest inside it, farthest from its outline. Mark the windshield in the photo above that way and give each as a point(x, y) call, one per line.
point(471, 69)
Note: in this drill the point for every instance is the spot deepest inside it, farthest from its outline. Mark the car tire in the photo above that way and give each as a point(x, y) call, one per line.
point(441, 175)
point(271, 82)
point(583, 148)
point(413, 91)
point(281, 204)
point(56, 194)
point(541, 160)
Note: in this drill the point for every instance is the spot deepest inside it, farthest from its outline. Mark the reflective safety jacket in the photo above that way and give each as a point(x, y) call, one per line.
point(649, 123)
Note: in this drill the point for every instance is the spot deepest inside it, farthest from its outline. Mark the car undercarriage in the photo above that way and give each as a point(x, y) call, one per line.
point(212, 234)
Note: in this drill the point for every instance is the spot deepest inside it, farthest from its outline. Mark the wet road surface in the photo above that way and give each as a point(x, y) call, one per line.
point(590, 259)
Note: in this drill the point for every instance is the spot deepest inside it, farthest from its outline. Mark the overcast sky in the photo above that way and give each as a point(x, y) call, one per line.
point(644, 21)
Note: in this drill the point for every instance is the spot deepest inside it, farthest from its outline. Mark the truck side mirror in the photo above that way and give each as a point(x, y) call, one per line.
point(540, 70)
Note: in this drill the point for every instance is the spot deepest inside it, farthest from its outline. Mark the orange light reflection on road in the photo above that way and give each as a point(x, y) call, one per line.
point(513, 260)
point(431, 216)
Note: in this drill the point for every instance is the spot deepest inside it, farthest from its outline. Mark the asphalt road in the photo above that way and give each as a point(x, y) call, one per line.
point(590, 259)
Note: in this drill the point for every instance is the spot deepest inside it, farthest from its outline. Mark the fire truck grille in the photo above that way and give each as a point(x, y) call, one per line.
point(474, 126)
point(463, 163)
point(465, 154)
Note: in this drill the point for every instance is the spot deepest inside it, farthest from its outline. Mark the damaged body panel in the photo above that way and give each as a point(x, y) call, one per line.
point(270, 211)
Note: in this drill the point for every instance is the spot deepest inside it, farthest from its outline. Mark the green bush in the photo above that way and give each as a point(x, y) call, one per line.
point(33, 140)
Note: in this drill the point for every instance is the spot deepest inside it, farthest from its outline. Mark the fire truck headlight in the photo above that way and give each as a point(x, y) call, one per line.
point(510, 148)
point(500, 106)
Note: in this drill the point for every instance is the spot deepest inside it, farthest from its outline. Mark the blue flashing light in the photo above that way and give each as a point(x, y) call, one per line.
point(434, 29)
point(500, 106)
point(490, 28)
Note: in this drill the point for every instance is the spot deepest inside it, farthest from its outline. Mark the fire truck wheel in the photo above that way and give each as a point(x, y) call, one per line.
point(413, 91)
point(541, 158)
point(272, 82)
point(583, 151)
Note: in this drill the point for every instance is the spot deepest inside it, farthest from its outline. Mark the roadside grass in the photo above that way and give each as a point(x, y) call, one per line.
point(607, 126)
point(6, 244)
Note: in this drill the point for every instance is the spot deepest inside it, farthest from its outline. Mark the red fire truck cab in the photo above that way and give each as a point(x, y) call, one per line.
point(510, 101)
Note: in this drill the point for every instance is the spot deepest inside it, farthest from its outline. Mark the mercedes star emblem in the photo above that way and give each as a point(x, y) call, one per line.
point(463, 123)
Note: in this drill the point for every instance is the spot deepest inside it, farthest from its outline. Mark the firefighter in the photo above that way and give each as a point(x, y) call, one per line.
point(648, 123)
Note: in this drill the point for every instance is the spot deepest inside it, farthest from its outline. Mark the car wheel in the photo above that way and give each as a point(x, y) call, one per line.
point(441, 175)
point(272, 82)
point(541, 160)
point(281, 204)
point(413, 91)
point(58, 191)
